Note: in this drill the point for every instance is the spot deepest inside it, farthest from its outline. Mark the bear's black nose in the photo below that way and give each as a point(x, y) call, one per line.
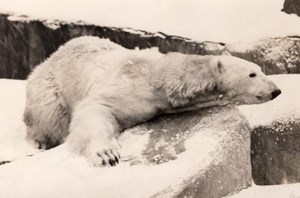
point(276, 93)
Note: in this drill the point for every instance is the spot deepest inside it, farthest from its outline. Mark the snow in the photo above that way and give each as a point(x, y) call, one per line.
point(213, 20)
point(276, 191)
point(12, 103)
point(23, 177)
point(52, 171)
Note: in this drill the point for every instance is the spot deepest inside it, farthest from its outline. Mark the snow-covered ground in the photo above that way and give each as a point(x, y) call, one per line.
point(278, 191)
point(12, 129)
point(14, 147)
point(213, 20)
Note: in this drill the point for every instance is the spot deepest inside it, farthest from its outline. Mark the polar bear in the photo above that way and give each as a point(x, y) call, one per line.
point(91, 89)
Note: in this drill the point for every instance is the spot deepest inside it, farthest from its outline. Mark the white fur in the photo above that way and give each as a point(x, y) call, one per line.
point(91, 89)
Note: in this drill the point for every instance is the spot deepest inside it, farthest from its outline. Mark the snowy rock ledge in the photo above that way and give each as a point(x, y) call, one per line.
point(199, 154)
point(192, 154)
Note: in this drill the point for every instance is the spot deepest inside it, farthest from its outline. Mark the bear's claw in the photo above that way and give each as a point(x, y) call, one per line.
point(104, 153)
point(109, 157)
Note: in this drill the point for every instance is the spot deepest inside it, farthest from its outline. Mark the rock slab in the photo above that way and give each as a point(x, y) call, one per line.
point(197, 154)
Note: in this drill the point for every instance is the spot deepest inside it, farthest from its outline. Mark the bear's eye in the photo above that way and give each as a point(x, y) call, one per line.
point(252, 75)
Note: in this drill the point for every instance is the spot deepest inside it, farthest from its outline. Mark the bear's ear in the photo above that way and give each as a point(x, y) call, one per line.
point(226, 53)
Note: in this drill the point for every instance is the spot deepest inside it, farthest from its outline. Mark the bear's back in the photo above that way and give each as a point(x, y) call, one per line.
point(76, 66)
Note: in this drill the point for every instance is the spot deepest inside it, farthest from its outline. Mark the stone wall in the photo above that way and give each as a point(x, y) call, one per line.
point(25, 43)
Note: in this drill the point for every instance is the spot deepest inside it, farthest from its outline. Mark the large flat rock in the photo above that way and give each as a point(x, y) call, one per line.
point(186, 155)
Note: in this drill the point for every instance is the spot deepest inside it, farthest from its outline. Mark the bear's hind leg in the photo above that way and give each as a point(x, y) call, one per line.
point(46, 116)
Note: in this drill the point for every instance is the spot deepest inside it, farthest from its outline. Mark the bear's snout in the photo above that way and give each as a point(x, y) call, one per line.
point(275, 93)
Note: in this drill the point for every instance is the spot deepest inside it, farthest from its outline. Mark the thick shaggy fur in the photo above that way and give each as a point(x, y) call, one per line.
point(91, 89)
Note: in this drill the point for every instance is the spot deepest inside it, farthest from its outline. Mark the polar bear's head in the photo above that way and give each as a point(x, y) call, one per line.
point(213, 80)
point(243, 82)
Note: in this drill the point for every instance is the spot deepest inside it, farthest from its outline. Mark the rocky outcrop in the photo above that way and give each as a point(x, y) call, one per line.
point(276, 153)
point(291, 7)
point(274, 55)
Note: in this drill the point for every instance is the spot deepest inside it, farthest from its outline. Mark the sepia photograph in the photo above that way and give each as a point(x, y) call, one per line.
point(150, 99)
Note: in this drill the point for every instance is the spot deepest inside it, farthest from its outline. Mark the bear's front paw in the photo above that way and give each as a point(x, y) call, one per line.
point(103, 153)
